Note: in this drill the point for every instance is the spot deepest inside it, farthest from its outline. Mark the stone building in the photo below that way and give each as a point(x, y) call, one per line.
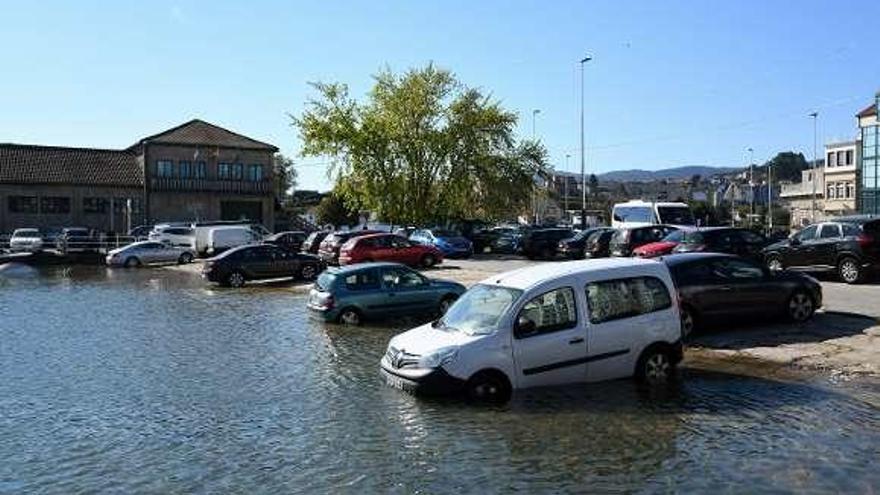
point(805, 199)
point(195, 171)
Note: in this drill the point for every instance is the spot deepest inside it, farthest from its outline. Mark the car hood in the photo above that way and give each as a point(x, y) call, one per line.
point(777, 245)
point(425, 339)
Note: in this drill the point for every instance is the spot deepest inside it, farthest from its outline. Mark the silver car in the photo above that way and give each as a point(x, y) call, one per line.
point(148, 252)
point(29, 240)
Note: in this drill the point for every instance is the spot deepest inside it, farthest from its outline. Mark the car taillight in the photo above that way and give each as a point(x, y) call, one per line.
point(329, 302)
point(865, 240)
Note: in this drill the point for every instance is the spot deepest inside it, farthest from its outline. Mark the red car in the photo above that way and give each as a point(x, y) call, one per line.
point(388, 247)
point(661, 247)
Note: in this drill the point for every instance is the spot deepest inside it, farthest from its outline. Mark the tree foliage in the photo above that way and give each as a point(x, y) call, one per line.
point(787, 166)
point(333, 210)
point(421, 148)
point(284, 175)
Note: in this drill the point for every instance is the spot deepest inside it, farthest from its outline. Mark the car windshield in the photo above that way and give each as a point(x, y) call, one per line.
point(325, 280)
point(635, 214)
point(445, 233)
point(26, 233)
point(674, 236)
point(477, 311)
point(692, 238)
point(675, 215)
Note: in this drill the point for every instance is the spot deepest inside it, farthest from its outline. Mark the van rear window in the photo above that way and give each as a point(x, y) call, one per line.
point(325, 281)
point(627, 297)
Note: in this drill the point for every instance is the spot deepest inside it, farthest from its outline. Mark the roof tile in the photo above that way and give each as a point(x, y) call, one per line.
point(31, 164)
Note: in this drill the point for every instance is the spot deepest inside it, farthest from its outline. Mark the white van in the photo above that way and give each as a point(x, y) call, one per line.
point(642, 213)
point(178, 235)
point(201, 230)
point(549, 324)
point(226, 237)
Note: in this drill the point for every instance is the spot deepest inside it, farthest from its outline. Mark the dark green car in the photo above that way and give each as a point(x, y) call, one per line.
point(354, 293)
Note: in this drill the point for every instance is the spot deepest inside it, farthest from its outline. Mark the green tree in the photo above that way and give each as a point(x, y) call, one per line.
point(421, 148)
point(786, 166)
point(333, 210)
point(285, 177)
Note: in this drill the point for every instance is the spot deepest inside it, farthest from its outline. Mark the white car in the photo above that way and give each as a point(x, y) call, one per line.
point(556, 323)
point(26, 240)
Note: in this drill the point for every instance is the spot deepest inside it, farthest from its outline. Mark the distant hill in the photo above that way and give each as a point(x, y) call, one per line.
point(638, 175)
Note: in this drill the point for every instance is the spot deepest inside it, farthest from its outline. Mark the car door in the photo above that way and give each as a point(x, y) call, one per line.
point(259, 262)
point(405, 290)
point(551, 348)
point(403, 250)
point(800, 249)
point(753, 291)
point(381, 249)
point(619, 311)
point(824, 247)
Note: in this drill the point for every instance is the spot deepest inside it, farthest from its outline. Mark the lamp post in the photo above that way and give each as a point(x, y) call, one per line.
point(535, 113)
point(751, 184)
point(769, 198)
point(815, 116)
point(565, 194)
point(583, 174)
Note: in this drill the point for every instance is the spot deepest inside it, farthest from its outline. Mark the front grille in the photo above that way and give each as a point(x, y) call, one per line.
point(398, 358)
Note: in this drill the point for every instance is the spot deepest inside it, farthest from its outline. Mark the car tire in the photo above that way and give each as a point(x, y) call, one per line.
point(185, 259)
point(774, 263)
point(488, 386)
point(849, 271)
point(655, 366)
point(800, 307)
point(445, 303)
point(428, 261)
point(132, 262)
point(547, 254)
point(308, 272)
point(689, 321)
point(235, 279)
point(350, 316)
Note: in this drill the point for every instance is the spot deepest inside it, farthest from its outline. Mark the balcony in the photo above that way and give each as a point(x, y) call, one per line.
point(208, 185)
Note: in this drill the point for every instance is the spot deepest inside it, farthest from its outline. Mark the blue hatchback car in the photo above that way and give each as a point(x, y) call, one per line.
point(354, 293)
point(449, 242)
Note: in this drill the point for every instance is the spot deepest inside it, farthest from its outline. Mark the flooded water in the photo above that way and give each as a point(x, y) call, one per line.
point(151, 381)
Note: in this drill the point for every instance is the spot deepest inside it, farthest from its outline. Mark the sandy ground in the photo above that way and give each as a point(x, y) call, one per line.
point(842, 340)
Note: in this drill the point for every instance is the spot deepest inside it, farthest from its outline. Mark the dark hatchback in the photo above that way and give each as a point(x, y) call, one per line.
point(849, 246)
point(329, 249)
point(313, 241)
point(291, 240)
point(573, 247)
point(625, 240)
point(598, 244)
point(730, 240)
point(237, 266)
point(541, 243)
point(714, 287)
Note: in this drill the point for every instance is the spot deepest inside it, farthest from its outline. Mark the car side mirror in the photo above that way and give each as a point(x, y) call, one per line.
point(524, 327)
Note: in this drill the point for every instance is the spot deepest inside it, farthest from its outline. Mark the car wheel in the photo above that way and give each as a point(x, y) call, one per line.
point(546, 253)
point(185, 259)
point(800, 307)
point(350, 316)
point(849, 270)
point(428, 261)
point(655, 366)
point(775, 264)
point(235, 279)
point(308, 272)
point(688, 321)
point(445, 303)
point(132, 262)
point(488, 386)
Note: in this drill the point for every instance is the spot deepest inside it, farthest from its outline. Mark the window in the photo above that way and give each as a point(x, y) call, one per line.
point(849, 157)
point(184, 169)
point(840, 158)
point(401, 278)
point(850, 230)
point(642, 214)
point(22, 204)
point(95, 205)
point(830, 192)
point(224, 171)
point(165, 168)
point(255, 172)
point(399, 242)
point(364, 280)
point(832, 162)
point(199, 170)
point(740, 270)
point(808, 234)
point(850, 190)
point(237, 171)
point(550, 312)
point(623, 298)
point(55, 205)
point(829, 231)
point(840, 191)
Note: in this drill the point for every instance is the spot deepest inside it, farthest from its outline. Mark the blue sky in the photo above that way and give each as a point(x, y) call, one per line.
point(671, 83)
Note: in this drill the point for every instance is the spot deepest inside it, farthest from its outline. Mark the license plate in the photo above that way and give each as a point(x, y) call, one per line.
point(396, 381)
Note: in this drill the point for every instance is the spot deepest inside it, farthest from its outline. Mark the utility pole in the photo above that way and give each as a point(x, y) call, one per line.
point(751, 184)
point(535, 113)
point(815, 116)
point(583, 174)
point(770, 198)
point(565, 194)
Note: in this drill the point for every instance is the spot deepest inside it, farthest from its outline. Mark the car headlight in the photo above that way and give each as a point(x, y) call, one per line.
point(438, 358)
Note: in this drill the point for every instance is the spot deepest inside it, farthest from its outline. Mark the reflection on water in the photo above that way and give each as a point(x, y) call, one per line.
point(149, 380)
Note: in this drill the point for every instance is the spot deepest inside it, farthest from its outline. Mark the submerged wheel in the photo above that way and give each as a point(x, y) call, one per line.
point(235, 279)
point(488, 386)
point(185, 259)
point(849, 270)
point(132, 262)
point(688, 321)
point(350, 316)
point(800, 307)
point(775, 264)
point(308, 272)
point(655, 367)
point(428, 261)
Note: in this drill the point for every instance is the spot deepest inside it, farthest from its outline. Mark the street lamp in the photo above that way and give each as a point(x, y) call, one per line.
point(583, 174)
point(565, 195)
point(535, 113)
point(769, 198)
point(751, 184)
point(815, 116)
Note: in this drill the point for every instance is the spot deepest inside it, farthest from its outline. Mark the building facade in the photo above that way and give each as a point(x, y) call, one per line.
point(869, 159)
point(804, 199)
point(195, 171)
point(841, 178)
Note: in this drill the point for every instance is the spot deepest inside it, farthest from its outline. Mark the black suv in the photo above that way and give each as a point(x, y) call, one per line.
point(597, 245)
point(541, 243)
point(236, 266)
point(730, 240)
point(573, 248)
point(848, 245)
point(625, 240)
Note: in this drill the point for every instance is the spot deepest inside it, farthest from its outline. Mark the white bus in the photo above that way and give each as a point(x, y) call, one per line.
point(640, 213)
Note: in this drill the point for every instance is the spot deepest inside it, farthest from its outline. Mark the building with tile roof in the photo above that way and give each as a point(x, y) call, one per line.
point(195, 171)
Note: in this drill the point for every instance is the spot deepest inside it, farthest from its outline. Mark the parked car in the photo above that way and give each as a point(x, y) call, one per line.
point(598, 244)
point(202, 232)
point(508, 240)
point(545, 325)
point(660, 248)
point(330, 246)
point(572, 248)
point(718, 287)
point(140, 233)
point(290, 240)
point(849, 246)
point(149, 252)
point(26, 240)
point(642, 213)
point(237, 266)
point(388, 247)
point(730, 240)
point(541, 243)
point(482, 237)
point(449, 242)
point(174, 234)
point(625, 240)
point(77, 240)
point(355, 293)
point(222, 238)
point(313, 241)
